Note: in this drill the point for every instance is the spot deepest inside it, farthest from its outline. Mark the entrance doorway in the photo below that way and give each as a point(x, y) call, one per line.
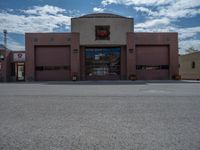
point(20, 72)
point(102, 63)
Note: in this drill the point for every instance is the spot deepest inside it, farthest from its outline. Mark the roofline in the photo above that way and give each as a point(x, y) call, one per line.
point(92, 15)
point(48, 32)
point(155, 32)
point(190, 53)
point(19, 51)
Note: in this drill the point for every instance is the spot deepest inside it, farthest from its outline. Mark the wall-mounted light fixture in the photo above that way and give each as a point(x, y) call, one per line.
point(1, 57)
point(76, 51)
point(130, 50)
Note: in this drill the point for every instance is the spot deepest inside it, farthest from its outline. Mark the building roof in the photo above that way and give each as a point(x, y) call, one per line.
point(102, 15)
point(190, 54)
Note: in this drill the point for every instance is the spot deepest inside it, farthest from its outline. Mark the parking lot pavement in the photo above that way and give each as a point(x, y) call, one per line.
point(120, 115)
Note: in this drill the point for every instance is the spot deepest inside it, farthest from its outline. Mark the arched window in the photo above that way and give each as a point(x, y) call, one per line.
point(193, 64)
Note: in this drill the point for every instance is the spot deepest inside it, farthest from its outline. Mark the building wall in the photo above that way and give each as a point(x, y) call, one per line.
point(5, 65)
point(150, 41)
point(34, 40)
point(186, 71)
point(118, 29)
point(159, 39)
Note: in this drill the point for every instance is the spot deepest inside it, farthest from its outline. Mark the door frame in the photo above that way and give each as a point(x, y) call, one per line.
point(103, 77)
point(20, 64)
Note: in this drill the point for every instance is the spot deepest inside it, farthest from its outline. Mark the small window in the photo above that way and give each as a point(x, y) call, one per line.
point(193, 65)
point(102, 32)
point(49, 68)
point(152, 67)
point(66, 67)
point(39, 68)
point(164, 67)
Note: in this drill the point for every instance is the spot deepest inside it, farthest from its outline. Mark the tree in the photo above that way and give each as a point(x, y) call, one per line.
point(191, 50)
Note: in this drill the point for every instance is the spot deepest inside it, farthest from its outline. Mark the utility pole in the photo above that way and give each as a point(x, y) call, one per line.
point(5, 38)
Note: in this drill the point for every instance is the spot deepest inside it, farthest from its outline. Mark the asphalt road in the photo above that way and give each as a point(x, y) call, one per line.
point(100, 116)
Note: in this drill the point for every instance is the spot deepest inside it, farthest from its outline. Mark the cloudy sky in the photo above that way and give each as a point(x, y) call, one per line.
point(20, 16)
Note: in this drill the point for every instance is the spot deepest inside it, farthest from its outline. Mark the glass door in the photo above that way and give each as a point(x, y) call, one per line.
point(102, 61)
point(20, 72)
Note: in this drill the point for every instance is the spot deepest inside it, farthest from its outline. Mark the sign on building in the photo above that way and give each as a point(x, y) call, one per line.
point(19, 57)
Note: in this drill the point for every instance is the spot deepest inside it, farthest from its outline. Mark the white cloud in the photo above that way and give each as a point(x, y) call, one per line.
point(153, 23)
point(44, 10)
point(187, 38)
point(144, 10)
point(174, 10)
point(179, 9)
point(98, 9)
point(108, 2)
point(177, 4)
point(39, 19)
point(185, 44)
point(15, 46)
point(185, 33)
point(136, 2)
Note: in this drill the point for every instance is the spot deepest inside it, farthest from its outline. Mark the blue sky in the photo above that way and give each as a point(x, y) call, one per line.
point(182, 16)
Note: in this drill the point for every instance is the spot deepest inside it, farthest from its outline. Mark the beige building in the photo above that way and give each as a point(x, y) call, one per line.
point(190, 66)
point(88, 25)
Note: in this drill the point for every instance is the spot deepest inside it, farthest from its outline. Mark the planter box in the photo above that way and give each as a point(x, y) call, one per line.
point(133, 77)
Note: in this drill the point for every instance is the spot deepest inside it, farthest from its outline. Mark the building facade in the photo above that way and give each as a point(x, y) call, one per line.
point(12, 65)
point(101, 46)
point(190, 66)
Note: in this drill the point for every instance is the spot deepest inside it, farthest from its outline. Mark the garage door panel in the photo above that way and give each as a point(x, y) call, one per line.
point(152, 62)
point(152, 75)
point(52, 56)
point(152, 55)
point(59, 75)
point(52, 63)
